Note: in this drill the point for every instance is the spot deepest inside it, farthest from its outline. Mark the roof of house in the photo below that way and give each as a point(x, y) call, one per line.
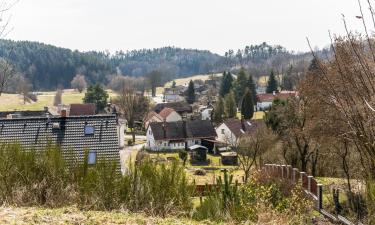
point(182, 130)
point(27, 113)
point(152, 114)
point(166, 112)
point(269, 97)
point(240, 127)
point(179, 107)
point(67, 132)
point(82, 109)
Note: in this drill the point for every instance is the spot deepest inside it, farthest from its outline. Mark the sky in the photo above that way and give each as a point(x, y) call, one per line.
point(215, 25)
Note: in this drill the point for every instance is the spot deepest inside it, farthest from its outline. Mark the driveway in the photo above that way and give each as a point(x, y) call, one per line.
point(128, 153)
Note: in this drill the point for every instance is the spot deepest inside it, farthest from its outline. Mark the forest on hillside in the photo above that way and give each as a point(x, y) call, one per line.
point(47, 67)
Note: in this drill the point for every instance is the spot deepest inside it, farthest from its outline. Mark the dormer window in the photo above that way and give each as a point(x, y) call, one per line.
point(89, 130)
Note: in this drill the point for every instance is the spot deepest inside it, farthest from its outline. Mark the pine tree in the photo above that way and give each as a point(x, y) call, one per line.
point(272, 83)
point(226, 84)
point(190, 96)
point(218, 112)
point(96, 94)
point(252, 88)
point(230, 105)
point(240, 85)
point(247, 106)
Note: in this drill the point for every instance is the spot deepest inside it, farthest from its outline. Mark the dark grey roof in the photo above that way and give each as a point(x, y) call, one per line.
point(180, 107)
point(182, 130)
point(26, 113)
point(36, 132)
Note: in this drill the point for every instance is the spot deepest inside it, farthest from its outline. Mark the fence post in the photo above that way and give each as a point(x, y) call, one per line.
point(295, 171)
point(302, 174)
point(309, 183)
point(320, 197)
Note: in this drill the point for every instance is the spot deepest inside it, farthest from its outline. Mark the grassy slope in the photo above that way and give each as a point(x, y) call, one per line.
point(15, 101)
point(72, 215)
point(185, 81)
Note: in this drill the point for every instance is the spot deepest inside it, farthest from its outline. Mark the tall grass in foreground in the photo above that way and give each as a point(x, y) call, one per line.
point(44, 178)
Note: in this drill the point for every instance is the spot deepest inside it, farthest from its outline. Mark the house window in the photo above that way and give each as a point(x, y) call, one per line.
point(165, 144)
point(196, 142)
point(89, 130)
point(222, 131)
point(91, 158)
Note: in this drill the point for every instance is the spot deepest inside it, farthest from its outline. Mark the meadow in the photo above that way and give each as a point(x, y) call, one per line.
point(10, 102)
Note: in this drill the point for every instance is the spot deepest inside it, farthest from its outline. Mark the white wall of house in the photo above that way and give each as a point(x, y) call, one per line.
point(177, 145)
point(151, 144)
point(225, 135)
point(263, 105)
point(172, 98)
point(206, 114)
point(173, 117)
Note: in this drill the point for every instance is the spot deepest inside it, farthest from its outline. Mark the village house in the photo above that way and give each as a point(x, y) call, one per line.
point(152, 117)
point(164, 136)
point(182, 108)
point(170, 115)
point(232, 130)
point(100, 135)
point(173, 94)
point(264, 101)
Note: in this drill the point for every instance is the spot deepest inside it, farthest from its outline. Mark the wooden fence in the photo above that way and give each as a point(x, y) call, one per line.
point(308, 183)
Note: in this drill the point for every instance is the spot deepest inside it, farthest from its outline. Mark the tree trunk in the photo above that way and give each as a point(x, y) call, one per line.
point(133, 135)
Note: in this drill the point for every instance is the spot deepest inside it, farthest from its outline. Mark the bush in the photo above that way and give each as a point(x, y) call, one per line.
point(241, 204)
point(42, 178)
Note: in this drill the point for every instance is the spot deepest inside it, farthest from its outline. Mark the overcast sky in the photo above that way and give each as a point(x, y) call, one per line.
point(215, 25)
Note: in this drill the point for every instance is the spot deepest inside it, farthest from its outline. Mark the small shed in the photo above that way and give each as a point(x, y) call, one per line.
point(198, 153)
point(229, 158)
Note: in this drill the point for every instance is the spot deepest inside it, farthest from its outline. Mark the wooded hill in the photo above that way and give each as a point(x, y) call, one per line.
point(47, 67)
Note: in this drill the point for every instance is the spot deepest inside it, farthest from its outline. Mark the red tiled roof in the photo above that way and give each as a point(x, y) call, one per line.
point(151, 115)
point(165, 112)
point(82, 109)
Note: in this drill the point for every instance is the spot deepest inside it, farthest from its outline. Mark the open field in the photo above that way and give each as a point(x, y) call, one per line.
point(185, 81)
point(257, 115)
point(15, 101)
point(262, 80)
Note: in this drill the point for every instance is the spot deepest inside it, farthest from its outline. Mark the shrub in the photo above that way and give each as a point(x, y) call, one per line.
point(42, 178)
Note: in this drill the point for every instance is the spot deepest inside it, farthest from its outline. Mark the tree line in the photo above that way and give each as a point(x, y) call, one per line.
point(47, 67)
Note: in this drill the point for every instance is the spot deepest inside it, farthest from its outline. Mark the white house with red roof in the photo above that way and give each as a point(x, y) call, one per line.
point(264, 101)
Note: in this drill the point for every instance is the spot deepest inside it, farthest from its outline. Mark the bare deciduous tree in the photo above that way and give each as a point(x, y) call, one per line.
point(79, 83)
point(6, 73)
point(253, 146)
point(133, 106)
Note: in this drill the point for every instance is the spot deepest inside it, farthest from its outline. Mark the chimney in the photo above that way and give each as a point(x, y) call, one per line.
point(63, 113)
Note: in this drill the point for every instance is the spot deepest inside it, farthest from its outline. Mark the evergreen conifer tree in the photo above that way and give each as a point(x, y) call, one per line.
point(272, 83)
point(247, 106)
point(218, 112)
point(240, 85)
point(230, 105)
point(226, 84)
point(190, 97)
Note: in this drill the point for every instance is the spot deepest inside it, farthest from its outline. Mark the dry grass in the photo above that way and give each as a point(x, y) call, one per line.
point(72, 215)
point(185, 81)
point(10, 102)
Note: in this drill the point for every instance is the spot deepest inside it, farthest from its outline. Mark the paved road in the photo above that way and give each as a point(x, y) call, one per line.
point(125, 156)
